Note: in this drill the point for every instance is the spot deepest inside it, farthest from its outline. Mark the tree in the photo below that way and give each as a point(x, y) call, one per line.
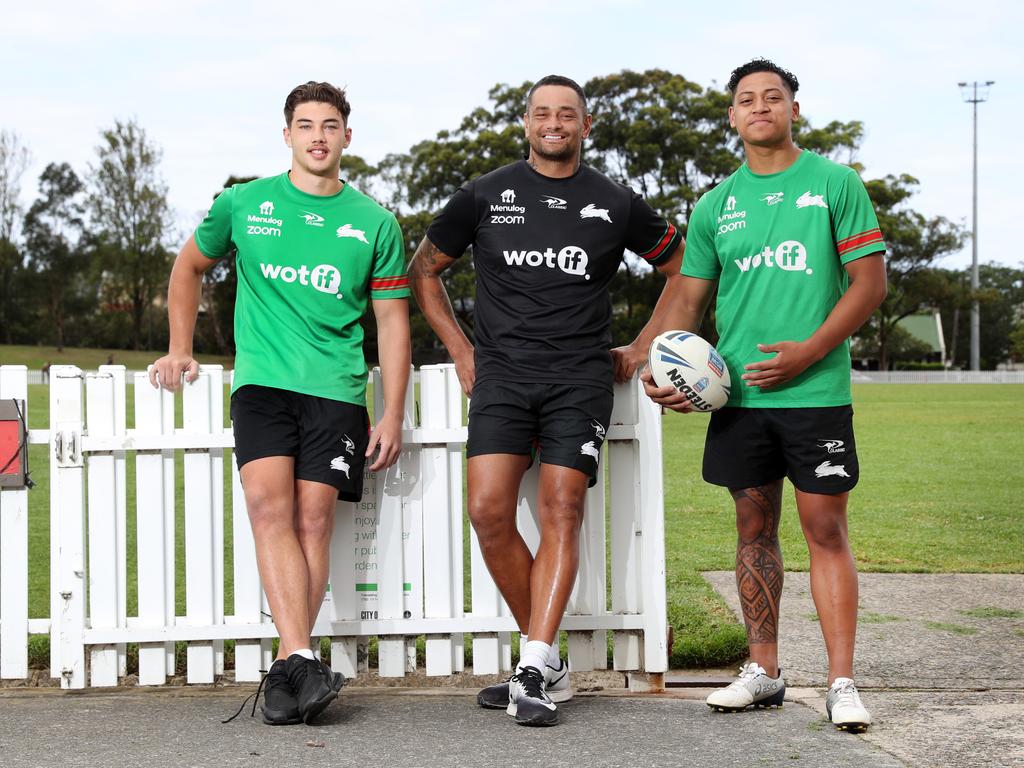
point(14, 160)
point(915, 243)
point(128, 202)
point(1017, 342)
point(53, 228)
point(1000, 303)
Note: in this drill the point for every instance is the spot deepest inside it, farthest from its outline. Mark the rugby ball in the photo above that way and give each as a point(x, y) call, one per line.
point(685, 361)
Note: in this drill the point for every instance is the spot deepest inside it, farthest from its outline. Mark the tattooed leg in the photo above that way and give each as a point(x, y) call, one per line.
point(759, 571)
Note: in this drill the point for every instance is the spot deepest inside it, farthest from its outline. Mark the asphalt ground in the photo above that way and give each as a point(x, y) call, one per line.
point(940, 664)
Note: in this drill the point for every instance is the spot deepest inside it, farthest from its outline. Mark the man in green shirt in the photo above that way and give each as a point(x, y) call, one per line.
point(793, 244)
point(311, 252)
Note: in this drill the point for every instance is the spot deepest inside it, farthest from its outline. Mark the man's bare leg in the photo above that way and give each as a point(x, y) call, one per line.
point(314, 524)
point(560, 499)
point(269, 486)
point(759, 573)
point(493, 494)
point(833, 576)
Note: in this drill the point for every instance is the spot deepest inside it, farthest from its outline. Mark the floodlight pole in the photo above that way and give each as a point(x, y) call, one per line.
point(970, 94)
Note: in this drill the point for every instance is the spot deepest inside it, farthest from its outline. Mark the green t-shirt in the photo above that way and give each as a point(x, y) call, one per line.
point(306, 266)
point(777, 244)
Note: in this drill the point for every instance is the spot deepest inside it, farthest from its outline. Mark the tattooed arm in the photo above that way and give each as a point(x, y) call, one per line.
point(425, 280)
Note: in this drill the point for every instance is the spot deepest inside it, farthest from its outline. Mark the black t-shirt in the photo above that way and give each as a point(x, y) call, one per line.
point(545, 251)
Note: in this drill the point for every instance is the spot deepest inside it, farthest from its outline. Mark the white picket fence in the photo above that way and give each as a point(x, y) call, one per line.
point(397, 557)
point(937, 377)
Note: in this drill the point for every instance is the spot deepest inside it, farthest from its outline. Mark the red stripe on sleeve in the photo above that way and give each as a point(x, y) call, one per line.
point(853, 242)
point(389, 283)
point(657, 250)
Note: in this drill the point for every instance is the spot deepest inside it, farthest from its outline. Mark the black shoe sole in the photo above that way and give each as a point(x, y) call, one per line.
point(491, 705)
point(318, 705)
point(538, 721)
point(730, 710)
point(275, 718)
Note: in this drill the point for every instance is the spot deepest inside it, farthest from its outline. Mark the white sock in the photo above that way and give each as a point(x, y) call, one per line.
point(305, 653)
point(554, 657)
point(534, 654)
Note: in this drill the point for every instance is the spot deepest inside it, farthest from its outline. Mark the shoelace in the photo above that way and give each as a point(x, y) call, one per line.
point(846, 694)
point(532, 681)
point(298, 673)
point(748, 671)
point(255, 696)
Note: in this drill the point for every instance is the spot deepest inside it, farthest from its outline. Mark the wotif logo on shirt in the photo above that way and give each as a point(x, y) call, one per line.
point(790, 256)
point(571, 259)
point(323, 277)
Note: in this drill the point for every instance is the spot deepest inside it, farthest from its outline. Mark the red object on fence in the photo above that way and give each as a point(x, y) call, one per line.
point(12, 445)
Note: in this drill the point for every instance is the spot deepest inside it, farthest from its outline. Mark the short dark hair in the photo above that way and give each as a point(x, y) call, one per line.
point(314, 91)
point(566, 82)
point(763, 65)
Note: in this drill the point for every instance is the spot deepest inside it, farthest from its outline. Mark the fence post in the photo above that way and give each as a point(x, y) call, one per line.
point(390, 545)
point(453, 390)
point(626, 529)
point(652, 517)
point(437, 523)
point(154, 511)
point(67, 511)
point(106, 551)
point(14, 548)
point(250, 602)
point(121, 505)
point(201, 551)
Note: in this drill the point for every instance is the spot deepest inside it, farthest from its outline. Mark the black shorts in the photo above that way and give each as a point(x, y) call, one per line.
point(328, 438)
point(565, 423)
point(813, 447)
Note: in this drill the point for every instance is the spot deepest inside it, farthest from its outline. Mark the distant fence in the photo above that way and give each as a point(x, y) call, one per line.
point(937, 377)
point(397, 557)
point(858, 377)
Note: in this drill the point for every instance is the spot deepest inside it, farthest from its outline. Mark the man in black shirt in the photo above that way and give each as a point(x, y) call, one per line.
point(548, 235)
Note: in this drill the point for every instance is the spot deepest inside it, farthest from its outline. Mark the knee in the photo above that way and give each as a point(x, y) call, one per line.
point(491, 516)
point(315, 524)
point(561, 513)
point(751, 525)
point(828, 534)
point(266, 511)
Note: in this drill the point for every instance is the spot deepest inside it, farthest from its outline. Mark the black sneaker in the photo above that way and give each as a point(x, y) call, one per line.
point(528, 702)
point(556, 685)
point(337, 679)
point(279, 704)
point(280, 707)
point(313, 684)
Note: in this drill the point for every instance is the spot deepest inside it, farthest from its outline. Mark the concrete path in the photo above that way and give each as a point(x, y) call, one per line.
point(436, 728)
point(940, 662)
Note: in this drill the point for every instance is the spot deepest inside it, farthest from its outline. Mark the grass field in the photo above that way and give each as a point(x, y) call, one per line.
point(941, 477)
point(89, 359)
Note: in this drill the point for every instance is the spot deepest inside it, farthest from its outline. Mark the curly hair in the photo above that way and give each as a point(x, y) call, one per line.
point(763, 65)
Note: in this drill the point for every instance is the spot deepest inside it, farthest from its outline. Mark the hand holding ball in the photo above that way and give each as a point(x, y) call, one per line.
point(685, 361)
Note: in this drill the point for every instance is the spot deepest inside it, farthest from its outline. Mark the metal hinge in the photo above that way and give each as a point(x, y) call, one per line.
point(67, 444)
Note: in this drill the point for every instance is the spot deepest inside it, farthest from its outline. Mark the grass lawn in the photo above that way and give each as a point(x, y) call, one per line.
point(940, 480)
point(89, 359)
point(939, 492)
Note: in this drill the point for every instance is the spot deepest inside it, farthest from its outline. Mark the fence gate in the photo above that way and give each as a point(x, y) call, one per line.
point(158, 502)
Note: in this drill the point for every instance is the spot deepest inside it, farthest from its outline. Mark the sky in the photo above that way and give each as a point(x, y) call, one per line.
point(207, 81)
